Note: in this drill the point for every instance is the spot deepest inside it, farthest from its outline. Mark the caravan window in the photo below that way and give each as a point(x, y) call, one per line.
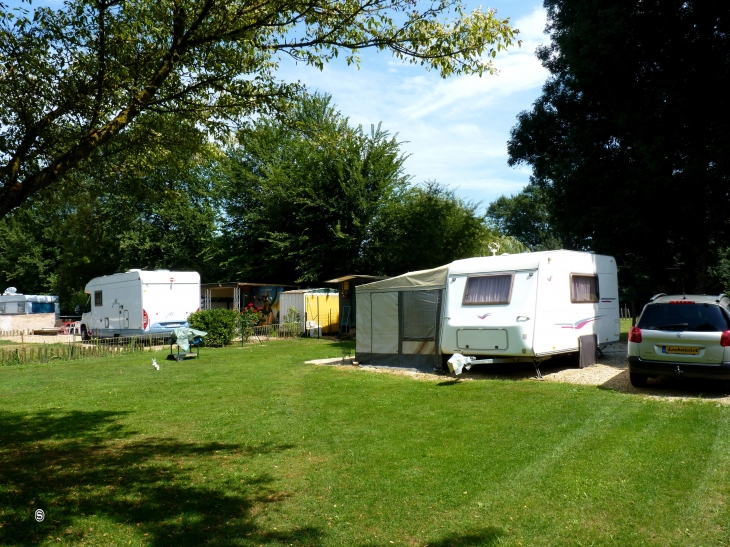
point(583, 288)
point(488, 289)
point(97, 298)
point(42, 307)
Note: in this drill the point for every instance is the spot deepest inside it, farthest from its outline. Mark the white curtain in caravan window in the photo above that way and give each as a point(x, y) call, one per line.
point(584, 288)
point(488, 289)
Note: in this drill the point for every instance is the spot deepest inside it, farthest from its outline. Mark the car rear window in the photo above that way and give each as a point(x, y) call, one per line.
point(684, 317)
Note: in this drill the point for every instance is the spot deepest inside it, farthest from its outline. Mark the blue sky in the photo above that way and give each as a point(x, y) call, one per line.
point(455, 131)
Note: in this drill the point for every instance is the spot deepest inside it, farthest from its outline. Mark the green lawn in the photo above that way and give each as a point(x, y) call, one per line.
point(252, 447)
point(625, 326)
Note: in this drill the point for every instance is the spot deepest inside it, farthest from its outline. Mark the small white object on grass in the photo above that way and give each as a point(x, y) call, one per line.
point(154, 364)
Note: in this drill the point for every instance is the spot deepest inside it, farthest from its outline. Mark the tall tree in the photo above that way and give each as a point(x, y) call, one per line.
point(427, 226)
point(302, 194)
point(526, 217)
point(629, 138)
point(97, 77)
point(311, 197)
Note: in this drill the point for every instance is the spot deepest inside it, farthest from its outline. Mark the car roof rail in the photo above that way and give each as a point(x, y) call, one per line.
point(657, 296)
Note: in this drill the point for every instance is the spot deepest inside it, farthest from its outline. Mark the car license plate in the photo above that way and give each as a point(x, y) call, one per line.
point(680, 350)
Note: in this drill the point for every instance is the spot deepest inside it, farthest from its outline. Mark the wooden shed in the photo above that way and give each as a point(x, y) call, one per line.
point(348, 306)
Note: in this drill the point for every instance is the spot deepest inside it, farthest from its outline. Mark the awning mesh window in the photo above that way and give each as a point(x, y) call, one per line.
point(420, 314)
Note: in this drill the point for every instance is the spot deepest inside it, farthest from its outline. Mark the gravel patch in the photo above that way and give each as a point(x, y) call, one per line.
point(611, 372)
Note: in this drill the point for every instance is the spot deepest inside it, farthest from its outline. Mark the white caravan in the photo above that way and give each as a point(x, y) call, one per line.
point(529, 305)
point(26, 312)
point(507, 308)
point(15, 303)
point(139, 302)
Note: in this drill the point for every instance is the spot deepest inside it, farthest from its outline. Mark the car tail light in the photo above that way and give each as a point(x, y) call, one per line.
point(725, 339)
point(681, 301)
point(635, 334)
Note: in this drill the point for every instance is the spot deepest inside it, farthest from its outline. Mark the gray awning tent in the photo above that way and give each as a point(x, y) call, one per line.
point(398, 320)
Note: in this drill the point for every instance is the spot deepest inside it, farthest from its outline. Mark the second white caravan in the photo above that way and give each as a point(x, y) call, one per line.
point(139, 302)
point(529, 305)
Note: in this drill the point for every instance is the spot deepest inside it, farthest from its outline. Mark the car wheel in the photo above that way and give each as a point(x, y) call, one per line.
point(638, 380)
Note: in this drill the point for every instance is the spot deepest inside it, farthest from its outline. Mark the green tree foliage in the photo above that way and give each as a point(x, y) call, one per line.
point(526, 217)
point(302, 193)
point(142, 213)
point(27, 259)
point(425, 227)
point(309, 198)
point(629, 138)
point(99, 78)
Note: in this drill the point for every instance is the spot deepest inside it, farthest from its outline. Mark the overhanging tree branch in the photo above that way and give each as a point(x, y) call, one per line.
point(211, 60)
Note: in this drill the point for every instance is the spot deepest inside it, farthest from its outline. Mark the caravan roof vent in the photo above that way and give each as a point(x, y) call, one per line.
point(11, 291)
point(134, 270)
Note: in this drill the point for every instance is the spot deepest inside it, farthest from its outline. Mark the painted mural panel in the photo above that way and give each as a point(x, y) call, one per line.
point(267, 298)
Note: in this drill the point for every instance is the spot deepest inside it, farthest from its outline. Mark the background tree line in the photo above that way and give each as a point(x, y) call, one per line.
point(628, 143)
point(116, 124)
point(296, 198)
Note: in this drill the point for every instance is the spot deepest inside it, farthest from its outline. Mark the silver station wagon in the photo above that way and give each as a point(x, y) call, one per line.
point(682, 336)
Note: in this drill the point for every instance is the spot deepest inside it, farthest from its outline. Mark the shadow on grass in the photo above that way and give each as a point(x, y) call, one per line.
point(343, 345)
point(485, 537)
point(472, 538)
point(78, 464)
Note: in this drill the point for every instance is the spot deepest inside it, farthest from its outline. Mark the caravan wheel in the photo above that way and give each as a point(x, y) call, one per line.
point(84, 334)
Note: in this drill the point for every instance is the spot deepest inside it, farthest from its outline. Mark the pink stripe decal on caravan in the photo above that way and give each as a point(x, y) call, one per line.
point(578, 324)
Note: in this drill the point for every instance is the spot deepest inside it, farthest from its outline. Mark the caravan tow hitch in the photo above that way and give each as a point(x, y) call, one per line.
point(458, 363)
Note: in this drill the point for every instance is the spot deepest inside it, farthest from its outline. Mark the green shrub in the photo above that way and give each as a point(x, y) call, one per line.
point(220, 324)
point(293, 323)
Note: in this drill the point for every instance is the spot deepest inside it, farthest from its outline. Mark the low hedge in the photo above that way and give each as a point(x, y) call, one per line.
point(220, 324)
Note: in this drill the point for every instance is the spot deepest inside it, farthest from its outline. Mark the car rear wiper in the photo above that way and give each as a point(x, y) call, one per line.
point(673, 327)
